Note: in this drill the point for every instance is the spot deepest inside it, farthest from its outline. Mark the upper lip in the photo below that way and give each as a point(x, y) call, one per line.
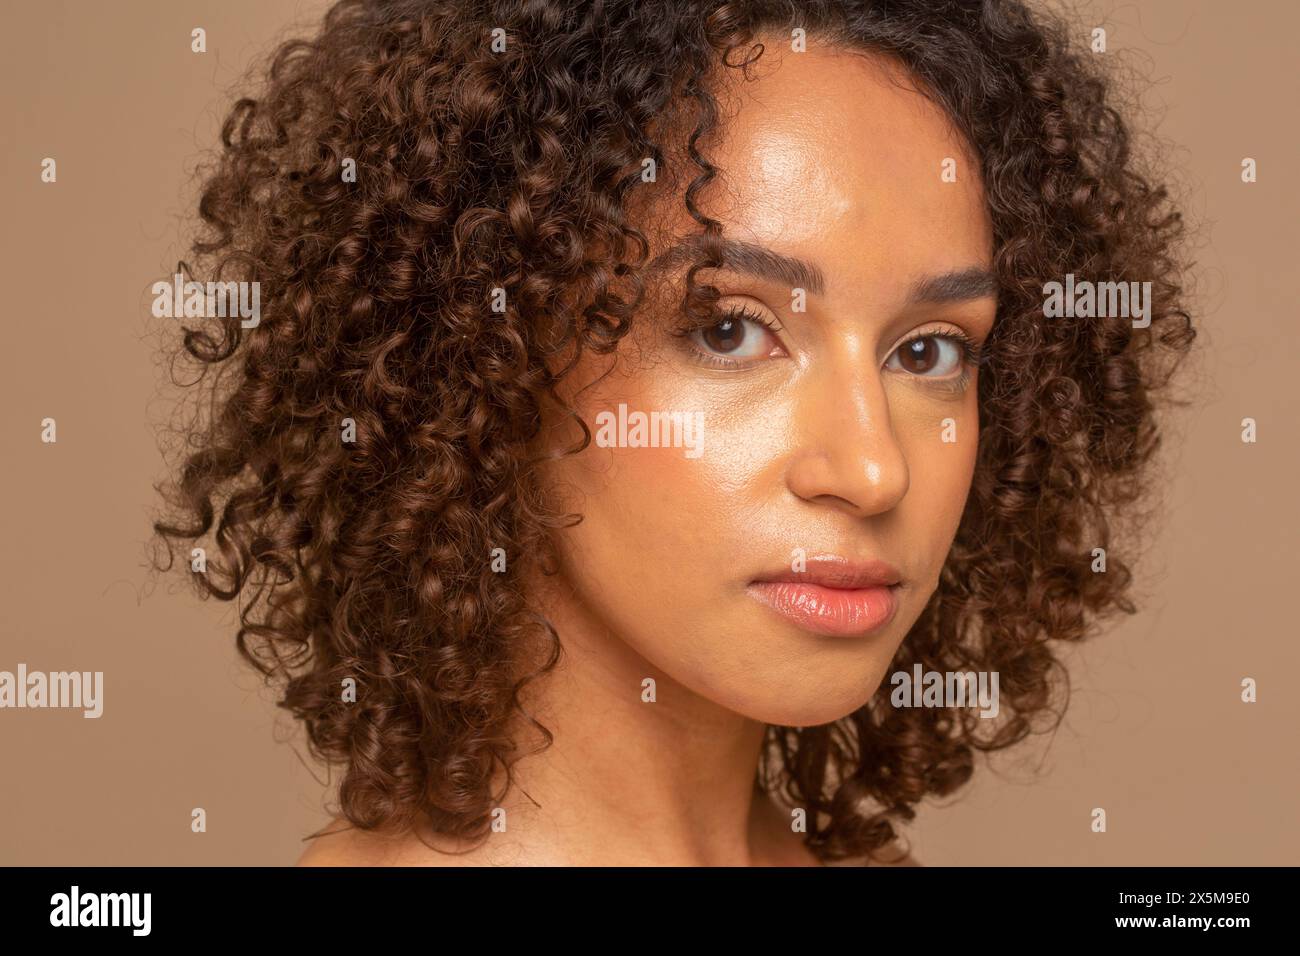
point(832, 571)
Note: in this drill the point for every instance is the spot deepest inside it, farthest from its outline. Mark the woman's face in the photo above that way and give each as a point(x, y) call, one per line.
point(838, 426)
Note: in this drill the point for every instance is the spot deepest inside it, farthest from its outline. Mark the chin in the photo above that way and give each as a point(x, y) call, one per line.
point(805, 700)
point(806, 713)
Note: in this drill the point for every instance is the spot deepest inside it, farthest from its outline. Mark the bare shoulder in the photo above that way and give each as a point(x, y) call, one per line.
point(894, 857)
point(905, 860)
point(342, 844)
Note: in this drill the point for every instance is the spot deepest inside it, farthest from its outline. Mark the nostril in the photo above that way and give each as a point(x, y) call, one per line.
point(835, 501)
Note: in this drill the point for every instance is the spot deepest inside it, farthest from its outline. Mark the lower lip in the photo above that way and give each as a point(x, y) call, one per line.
point(839, 612)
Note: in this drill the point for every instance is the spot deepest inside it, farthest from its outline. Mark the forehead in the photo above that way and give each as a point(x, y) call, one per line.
point(836, 156)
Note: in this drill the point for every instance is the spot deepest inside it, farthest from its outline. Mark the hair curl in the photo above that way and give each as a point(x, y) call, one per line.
point(516, 169)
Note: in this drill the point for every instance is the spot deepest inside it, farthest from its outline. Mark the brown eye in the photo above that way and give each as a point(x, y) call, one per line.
point(726, 335)
point(736, 337)
point(930, 356)
point(919, 355)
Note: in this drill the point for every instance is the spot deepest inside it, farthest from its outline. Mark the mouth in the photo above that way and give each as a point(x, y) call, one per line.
point(832, 596)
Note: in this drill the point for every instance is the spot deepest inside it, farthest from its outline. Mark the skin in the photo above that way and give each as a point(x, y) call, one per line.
point(816, 437)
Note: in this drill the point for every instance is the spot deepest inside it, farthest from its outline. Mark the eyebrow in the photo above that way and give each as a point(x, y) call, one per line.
point(748, 259)
point(964, 284)
point(760, 262)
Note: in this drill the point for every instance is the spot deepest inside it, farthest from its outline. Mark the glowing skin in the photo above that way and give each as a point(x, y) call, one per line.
point(819, 436)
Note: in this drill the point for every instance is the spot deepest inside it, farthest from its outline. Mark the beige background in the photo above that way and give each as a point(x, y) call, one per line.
point(1155, 731)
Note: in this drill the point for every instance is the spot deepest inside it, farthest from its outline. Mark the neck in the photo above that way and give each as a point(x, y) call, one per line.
point(629, 780)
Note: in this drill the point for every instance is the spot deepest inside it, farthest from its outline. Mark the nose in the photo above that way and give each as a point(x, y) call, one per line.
point(848, 457)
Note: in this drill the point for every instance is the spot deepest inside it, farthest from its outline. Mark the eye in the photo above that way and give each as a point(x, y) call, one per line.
point(933, 355)
point(737, 334)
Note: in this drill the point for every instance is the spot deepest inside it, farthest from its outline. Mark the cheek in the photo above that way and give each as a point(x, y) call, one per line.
point(648, 513)
point(940, 445)
point(676, 503)
point(638, 501)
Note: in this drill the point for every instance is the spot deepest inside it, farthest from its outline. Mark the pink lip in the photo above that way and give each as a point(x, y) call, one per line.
point(833, 596)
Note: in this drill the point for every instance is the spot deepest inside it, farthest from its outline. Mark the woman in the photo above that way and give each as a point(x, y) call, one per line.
point(648, 399)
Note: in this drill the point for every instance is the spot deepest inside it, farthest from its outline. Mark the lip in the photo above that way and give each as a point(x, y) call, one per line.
point(833, 596)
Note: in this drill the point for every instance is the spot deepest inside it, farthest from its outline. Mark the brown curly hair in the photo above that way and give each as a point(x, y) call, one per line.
point(482, 168)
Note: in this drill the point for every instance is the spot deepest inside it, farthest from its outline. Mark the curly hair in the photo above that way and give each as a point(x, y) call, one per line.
point(513, 165)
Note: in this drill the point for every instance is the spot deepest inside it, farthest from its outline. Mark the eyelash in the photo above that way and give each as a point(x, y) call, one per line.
point(970, 350)
point(970, 355)
point(739, 312)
